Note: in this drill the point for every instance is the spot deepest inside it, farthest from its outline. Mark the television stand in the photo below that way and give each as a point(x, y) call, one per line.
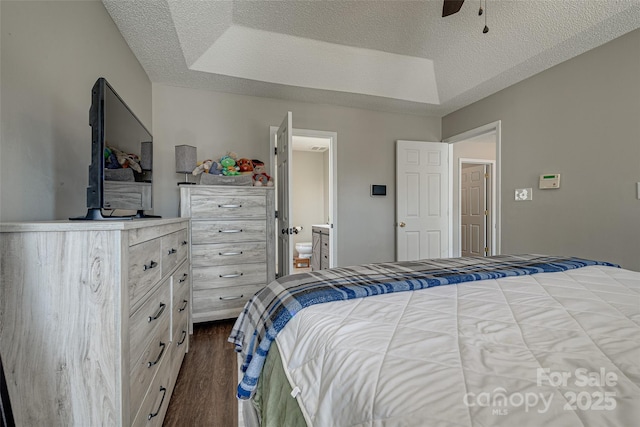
point(95, 214)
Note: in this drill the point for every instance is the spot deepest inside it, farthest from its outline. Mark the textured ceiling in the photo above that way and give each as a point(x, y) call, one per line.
point(397, 56)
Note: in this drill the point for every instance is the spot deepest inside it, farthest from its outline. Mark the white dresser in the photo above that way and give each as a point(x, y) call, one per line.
point(94, 319)
point(232, 246)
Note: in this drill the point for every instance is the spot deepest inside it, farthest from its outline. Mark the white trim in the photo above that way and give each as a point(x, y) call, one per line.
point(333, 179)
point(481, 130)
point(450, 214)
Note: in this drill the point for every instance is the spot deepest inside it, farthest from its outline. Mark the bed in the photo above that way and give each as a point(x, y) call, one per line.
point(522, 340)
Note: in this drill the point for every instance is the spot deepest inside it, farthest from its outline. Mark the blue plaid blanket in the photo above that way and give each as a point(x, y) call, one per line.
point(269, 310)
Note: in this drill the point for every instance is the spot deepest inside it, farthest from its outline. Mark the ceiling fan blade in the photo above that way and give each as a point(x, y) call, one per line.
point(449, 7)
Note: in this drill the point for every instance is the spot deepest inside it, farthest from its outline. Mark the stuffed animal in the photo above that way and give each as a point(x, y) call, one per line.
point(127, 160)
point(245, 165)
point(110, 159)
point(216, 169)
point(229, 167)
point(203, 167)
point(260, 177)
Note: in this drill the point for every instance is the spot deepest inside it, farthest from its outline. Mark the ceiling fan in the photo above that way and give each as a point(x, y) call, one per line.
point(449, 7)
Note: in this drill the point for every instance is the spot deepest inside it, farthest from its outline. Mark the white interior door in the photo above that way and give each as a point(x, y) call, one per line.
point(473, 210)
point(284, 147)
point(422, 200)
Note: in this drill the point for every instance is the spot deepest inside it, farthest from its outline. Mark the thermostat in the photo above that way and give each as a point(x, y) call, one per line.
point(549, 181)
point(378, 190)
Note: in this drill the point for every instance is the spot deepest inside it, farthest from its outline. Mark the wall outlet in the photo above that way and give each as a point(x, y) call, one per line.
point(523, 194)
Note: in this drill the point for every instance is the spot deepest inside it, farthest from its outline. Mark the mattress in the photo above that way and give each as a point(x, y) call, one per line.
point(503, 345)
point(558, 349)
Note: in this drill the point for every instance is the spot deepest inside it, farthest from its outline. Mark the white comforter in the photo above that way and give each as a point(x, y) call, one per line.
point(553, 349)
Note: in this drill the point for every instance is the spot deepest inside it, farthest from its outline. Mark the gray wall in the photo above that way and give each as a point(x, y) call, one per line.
point(218, 122)
point(52, 54)
point(581, 119)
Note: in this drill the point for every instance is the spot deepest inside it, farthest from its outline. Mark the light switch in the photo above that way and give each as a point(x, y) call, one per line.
point(638, 189)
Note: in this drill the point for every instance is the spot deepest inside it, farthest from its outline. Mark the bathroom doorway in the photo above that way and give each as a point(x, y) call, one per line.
point(310, 194)
point(313, 196)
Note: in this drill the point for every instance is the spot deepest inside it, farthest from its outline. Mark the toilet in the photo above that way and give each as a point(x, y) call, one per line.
point(304, 250)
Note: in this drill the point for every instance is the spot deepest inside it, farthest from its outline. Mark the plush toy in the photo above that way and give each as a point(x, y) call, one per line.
point(203, 167)
point(110, 159)
point(229, 167)
point(246, 166)
point(126, 160)
point(216, 169)
point(260, 177)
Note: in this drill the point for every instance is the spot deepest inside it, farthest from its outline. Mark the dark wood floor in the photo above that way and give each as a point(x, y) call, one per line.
point(205, 393)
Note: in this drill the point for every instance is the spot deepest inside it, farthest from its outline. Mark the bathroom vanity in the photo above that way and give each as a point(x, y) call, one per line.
point(321, 255)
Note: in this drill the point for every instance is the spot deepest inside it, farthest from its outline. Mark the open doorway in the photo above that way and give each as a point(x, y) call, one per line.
point(310, 195)
point(313, 194)
point(476, 149)
point(475, 177)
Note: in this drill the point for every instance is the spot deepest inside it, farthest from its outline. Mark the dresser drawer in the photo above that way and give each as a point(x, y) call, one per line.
point(174, 250)
point(181, 284)
point(180, 329)
point(148, 320)
point(226, 206)
point(151, 360)
point(227, 231)
point(228, 254)
point(229, 275)
point(207, 301)
point(181, 296)
point(145, 269)
point(156, 401)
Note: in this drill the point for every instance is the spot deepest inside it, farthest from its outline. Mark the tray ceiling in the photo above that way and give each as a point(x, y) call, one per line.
point(396, 56)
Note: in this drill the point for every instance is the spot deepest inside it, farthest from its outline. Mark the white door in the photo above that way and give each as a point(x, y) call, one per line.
point(285, 248)
point(473, 210)
point(422, 200)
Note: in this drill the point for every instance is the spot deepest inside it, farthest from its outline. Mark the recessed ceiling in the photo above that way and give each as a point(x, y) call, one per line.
point(397, 56)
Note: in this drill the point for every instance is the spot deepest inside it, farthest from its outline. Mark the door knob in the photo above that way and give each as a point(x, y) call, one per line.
point(402, 224)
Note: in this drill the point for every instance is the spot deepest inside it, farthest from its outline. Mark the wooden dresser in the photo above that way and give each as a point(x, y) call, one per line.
point(94, 319)
point(232, 246)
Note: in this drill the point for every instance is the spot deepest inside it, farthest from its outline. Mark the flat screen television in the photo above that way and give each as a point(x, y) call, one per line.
point(120, 174)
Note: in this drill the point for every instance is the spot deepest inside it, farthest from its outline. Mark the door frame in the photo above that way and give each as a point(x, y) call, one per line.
point(490, 194)
point(333, 180)
point(497, 176)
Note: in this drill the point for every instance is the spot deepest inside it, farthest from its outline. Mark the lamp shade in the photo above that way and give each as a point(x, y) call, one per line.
point(186, 158)
point(146, 155)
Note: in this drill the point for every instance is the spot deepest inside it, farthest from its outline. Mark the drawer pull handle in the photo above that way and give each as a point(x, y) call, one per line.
point(172, 251)
point(231, 298)
point(184, 307)
point(184, 277)
point(150, 364)
point(151, 265)
point(184, 242)
point(229, 253)
point(230, 276)
point(164, 393)
point(184, 337)
point(230, 231)
point(230, 206)
point(159, 313)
